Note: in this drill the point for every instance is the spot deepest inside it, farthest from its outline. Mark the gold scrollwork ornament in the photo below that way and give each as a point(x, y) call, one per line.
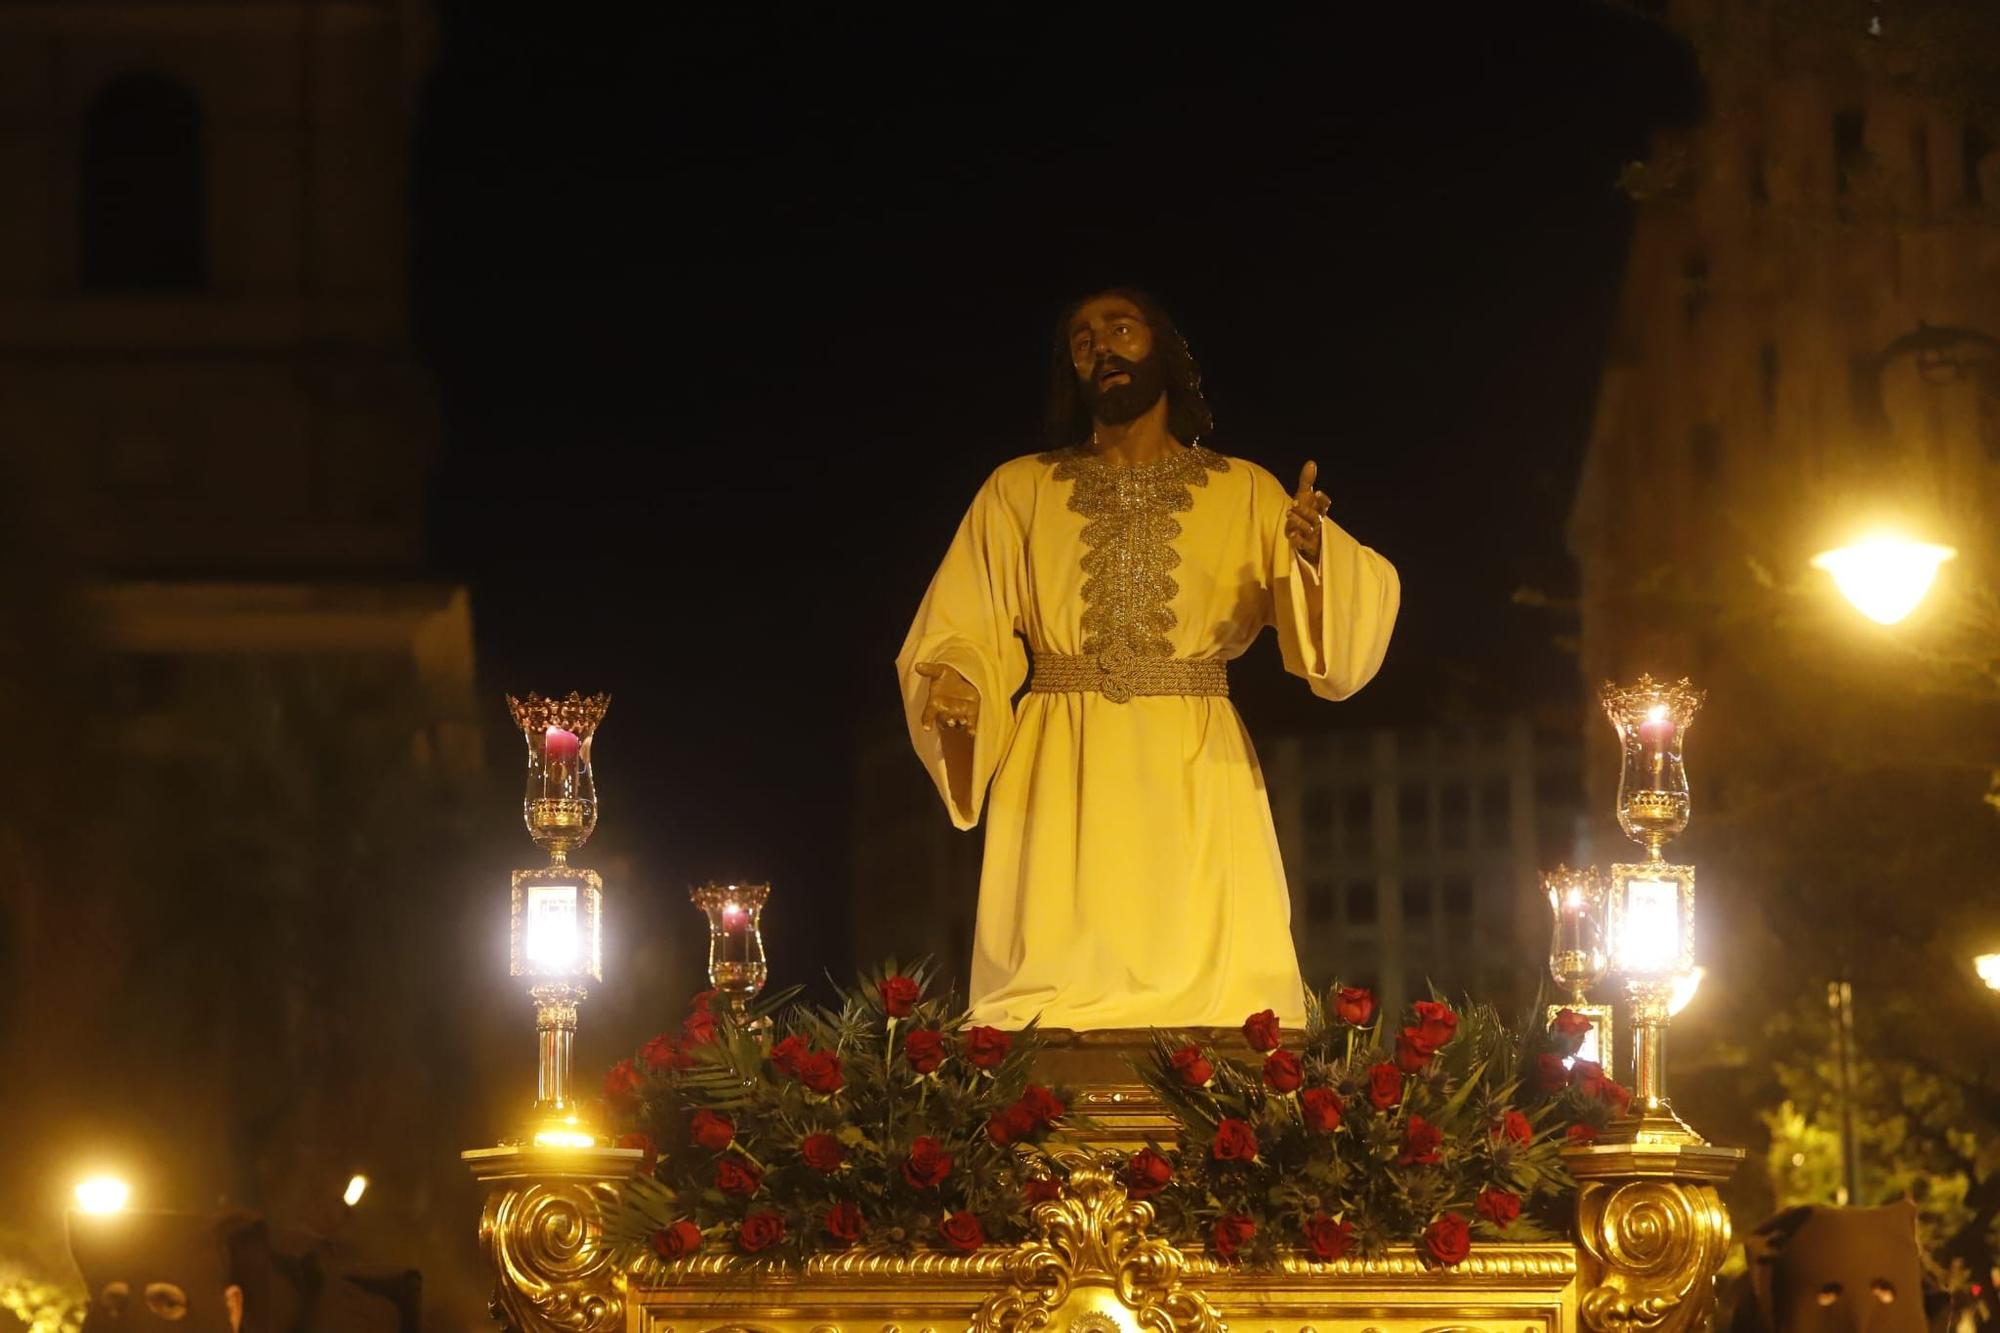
point(553, 1276)
point(1656, 1246)
point(1094, 1268)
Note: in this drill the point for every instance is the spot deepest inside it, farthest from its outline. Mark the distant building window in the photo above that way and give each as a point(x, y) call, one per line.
point(1358, 815)
point(1458, 897)
point(1361, 904)
point(1413, 808)
point(1417, 900)
point(144, 206)
point(1454, 816)
point(1975, 147)
point(1496, 811)
point(1920, 163)
point(1850, 133)
point(1694, 282)
point(1316, 813)
point(1319, 901)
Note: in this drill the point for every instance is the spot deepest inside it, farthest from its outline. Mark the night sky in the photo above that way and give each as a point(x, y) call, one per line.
point(732, 317)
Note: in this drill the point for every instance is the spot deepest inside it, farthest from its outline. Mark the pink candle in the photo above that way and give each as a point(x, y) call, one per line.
point(560, 746)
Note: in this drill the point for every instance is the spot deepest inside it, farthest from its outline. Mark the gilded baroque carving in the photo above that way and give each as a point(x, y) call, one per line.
point(1656, 1246)
point(551, 1276)
point(1093, 1237)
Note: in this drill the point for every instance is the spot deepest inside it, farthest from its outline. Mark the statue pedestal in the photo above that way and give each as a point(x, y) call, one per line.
point(1097, 1064)
point(1650, 1233)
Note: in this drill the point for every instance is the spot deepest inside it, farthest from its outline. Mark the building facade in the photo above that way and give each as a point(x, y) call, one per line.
point(205, 372)
point(1414, 856)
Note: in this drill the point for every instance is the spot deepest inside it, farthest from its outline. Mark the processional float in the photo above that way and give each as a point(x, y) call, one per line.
point(1647, 1235)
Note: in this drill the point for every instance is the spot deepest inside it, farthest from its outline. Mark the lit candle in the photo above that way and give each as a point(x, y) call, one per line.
point(1658, 732)
point(559, 751)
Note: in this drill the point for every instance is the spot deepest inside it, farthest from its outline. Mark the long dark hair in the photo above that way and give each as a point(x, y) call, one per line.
point(1188, 417)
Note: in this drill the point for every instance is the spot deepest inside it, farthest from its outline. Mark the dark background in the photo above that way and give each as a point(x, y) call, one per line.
point(732, 317)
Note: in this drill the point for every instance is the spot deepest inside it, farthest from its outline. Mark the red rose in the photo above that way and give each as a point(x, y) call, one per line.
point(924, 1049)
point(1355, 1005)
point(677, 1241)
point(1515, 1126)
point(1326, 1238)
point(1042, 1104)
point(1420, 1143)
point(1498, 1207)
point(1016, 1122)
point(822, 1152)
point(663, 1052)
point(1234, 1141)
point(1551, 1074)
point(1283, 1072)
point(785, 1056)
point(1570, 1026)
point(621, 1085)
point(1587, 1077)
point(1045, 1190)
point(899, 995)
point(700, 1002)
point(987, 1047)
point(1435, 1022)
point(1147, 1174)
point(698, 1028)
point(1232, 1232)
point(760, 1231)
point(711, 1131)
point(1618, 1095)
point(1322, 1109)
point(644, 1143)
point(1582, 1134)
point(1193, 1069)
point(1385, 1086)
point(734, 1175)
point(820, 1071)
point(1449, 1239)
point(1261, 1031)
point(1413, 1052)
point(961, 1231)
point(927, 1164)
point(843, 1222)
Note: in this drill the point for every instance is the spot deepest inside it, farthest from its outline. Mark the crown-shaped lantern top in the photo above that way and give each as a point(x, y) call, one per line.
point(577, 715)
point(560, 803)
point(1652, 719)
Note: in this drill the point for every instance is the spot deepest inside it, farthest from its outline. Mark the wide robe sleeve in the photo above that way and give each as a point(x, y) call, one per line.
point(968, 621)
point(1333, 619)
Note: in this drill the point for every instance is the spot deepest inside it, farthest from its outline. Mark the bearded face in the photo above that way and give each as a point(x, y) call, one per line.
point(1119, 391)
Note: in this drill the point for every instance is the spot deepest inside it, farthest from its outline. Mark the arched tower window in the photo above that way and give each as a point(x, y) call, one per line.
point(144, 187)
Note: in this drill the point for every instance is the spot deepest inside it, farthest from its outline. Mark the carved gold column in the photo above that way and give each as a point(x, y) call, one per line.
point(1651, 1232)
point(539, 1232)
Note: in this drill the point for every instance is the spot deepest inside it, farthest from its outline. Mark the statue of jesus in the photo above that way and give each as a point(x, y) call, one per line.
point(1131, 875)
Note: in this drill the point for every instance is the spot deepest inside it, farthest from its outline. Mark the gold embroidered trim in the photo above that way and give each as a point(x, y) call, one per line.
point(1065, 673)
point(1128, 586)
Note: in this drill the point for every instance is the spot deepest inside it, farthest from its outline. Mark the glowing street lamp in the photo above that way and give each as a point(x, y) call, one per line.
point(356, 1187)
point(1884, 577)
point(1988, 967)
point(102, 1195)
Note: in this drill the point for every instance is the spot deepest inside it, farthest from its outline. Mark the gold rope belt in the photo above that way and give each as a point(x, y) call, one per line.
point(1121, 675)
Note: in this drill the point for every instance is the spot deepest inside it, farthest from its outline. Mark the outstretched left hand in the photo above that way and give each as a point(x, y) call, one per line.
point(1302, 519)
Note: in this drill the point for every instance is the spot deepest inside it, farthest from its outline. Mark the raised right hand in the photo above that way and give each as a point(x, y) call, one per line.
point(951, 701)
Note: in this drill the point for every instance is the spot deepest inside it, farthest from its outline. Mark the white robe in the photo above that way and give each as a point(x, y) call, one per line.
point(1131, 875)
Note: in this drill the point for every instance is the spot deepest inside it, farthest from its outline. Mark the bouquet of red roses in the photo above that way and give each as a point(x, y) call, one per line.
point(890, 1121)
point(1433, 1132)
